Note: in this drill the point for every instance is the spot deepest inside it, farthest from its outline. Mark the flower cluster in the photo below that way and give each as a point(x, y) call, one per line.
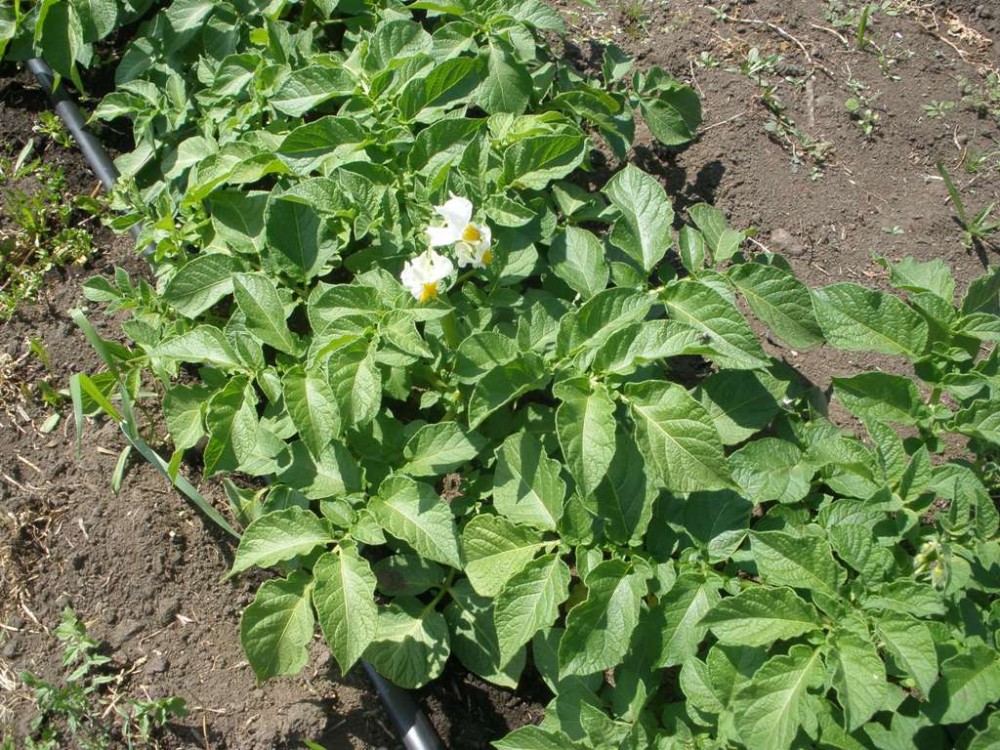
point(422, 275)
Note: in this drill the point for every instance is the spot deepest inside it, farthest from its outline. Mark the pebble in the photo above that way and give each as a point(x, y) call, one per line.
point(157, 664)
point(782, 241)
point(167, 611)
point(125, 630)
point(10, 648)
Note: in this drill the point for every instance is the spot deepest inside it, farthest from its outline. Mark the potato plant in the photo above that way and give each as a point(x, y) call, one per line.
point(466, 404)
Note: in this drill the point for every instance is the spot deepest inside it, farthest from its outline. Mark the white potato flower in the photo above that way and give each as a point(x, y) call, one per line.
point(472, 241)
point(422, 275)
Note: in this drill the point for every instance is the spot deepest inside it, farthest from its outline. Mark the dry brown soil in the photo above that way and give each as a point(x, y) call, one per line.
point(145, 571)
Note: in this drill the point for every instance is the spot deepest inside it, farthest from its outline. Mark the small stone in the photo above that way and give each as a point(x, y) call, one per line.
point(782, 241)
point(157, 664)
point(125, 630)
point(167, 611)
point(10, 648)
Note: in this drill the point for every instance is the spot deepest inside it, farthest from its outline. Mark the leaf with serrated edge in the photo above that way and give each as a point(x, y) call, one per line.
point(277, 626)
point(279, 536)
point(413, 511)
point(344, 597)
point(495, 549)
point(760, 616)
point(529, 602)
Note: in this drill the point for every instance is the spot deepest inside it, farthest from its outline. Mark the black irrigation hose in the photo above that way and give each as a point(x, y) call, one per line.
point(411, 723)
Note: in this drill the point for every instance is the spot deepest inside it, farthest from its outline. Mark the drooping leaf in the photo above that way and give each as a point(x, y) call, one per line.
point(411, 644)
point(278, 625)
point(344, 597)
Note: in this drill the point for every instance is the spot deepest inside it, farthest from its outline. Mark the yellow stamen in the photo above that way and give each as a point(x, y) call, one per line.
point(430, 292)
point(471, 234)
point(487, 257)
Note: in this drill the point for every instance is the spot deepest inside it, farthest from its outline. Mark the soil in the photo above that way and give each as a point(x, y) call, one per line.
point(145, 571)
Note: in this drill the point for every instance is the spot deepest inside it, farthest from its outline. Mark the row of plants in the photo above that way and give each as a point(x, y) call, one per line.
point(465, 403)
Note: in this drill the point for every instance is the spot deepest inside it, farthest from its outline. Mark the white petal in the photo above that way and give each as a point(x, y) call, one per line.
point(465, 254)
point(457, 212)
point(486, 235)
point(440, 236)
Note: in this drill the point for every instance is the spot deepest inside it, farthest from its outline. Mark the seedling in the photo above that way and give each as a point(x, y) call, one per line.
point(860, 36)
point(976, 230)
point(935, 109)
point(863, 115)
point(80, 708)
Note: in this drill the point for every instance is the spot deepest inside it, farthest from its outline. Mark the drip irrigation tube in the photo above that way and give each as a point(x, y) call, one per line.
point(414, 729)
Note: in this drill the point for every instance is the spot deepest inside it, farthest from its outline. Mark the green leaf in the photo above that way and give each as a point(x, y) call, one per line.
point(307, 87)
point(183, 408)
point(673, 114)
point(411, 645)
point(436, 449)
point(577, 257)
point(799, 562)
point(503, 384)
point(624, 498)
point(585, 426)
point(231, 421)
point(684, 608)
point(912, 275)
point(770, 708)
point(333, 472)
point(969, 683)
point(724, 328)
point(640, 343)
point(356, 382)
point(529, 601)
point(598, 629)
point(280, 536)
point(912, 646)
point(448, 83)
point(858, 677)
point(643, 232)
point(717, 520)
point(988, 738)
point(407, 574)
point(344, 597)
point(474, 637)
point(527, 487)
point(278, 626)
point(413, 512)
point(204, 344)
point(882, 397)
point(312, 407)
point(323, 144)
point(303, 242)
point(780, 300)
point(495, 549)
point(258, 299)
point(759, 616)
point(677, 437)
point(723, 241)
point(507, 86)
point(534, 738)
point(859, 319)
point(771, 469)
point(740, 402)
point(532, 163)
point(201, 282)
